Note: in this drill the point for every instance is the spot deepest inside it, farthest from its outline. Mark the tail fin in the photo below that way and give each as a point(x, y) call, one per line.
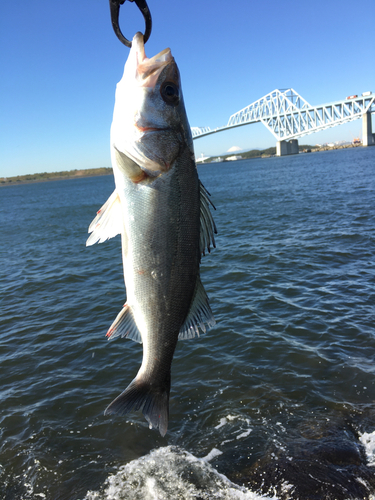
point(139, 395)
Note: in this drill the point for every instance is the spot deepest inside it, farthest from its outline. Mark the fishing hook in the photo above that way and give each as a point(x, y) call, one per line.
point(115, 11)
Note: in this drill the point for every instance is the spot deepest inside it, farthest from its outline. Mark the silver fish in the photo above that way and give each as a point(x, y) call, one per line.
point(162, 212)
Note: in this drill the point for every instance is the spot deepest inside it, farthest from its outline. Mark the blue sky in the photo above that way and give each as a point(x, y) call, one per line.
point(60, 62)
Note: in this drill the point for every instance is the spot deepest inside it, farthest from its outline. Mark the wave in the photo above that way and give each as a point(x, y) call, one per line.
point(171, 473)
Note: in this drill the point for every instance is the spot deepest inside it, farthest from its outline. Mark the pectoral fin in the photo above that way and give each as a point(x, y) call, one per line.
point(108, 222)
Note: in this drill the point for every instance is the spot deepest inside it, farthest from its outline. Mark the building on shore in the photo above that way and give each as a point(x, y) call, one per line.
point(202, 159)
point(233, 158)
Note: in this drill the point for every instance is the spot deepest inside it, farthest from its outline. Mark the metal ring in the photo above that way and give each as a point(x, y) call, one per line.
point(115, 11)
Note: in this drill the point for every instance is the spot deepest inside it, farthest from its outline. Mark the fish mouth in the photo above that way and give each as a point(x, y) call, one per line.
point(148, 69)
point(148, 128)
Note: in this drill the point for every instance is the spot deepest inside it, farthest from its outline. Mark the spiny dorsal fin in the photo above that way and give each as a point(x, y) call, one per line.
point(108, 222)
point(208, 227)
point(125, 326)
point(199, 313)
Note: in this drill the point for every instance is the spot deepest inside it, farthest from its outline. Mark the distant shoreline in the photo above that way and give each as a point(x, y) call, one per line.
point(95, 172)
point(53, 176)
point(271, 152)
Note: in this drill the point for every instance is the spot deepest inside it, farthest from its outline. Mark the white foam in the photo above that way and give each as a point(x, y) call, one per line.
point(223, 421)
point(242, 433)
point(213, 453)
point(169, 473)
point(368, 441)
point(226, 420)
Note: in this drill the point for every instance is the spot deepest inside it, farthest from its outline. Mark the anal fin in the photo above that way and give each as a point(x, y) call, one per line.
point(125, 326)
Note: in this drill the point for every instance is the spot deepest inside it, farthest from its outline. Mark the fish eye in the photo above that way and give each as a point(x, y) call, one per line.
point(170, 93)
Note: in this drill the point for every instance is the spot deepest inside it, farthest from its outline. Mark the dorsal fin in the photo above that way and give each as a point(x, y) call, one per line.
point(199, 314)
point(208, 227)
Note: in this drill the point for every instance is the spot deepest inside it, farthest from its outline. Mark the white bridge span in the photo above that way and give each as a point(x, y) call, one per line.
point(289, 116)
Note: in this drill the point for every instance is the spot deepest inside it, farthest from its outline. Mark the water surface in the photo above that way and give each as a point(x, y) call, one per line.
point(276, 401)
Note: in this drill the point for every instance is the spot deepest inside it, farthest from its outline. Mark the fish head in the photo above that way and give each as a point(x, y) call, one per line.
point(150, 125)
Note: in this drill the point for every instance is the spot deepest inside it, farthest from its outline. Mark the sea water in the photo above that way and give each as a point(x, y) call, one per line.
point(276, 401)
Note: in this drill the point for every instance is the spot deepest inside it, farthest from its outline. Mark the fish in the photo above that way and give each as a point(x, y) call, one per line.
point(162, 212)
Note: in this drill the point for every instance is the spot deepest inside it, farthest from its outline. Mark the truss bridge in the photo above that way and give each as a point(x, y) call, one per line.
point(288, 116)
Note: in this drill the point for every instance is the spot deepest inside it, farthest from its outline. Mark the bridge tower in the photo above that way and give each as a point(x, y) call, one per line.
point(368, 138)
point(287, 147)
